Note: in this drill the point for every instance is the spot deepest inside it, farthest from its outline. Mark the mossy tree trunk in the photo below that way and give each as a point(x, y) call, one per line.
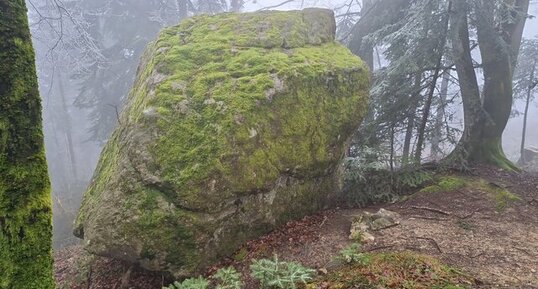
point(485, 119)
point(25, 204)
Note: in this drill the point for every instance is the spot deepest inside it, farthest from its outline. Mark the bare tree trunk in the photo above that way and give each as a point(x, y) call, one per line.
point(440, 116)
point(470, 92)
point(413, 104)
point(59, 184)
point(427, 106)
point(391, 160)
point(522, 159)
point(68, 129)
point(485, 122)
point(407, 139)
point(374, 15)
point(421, 131)
point(499, 55)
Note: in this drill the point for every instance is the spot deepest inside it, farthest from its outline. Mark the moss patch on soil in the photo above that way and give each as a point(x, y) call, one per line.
point(446, 184)
point(395, 270)
point(499, 194)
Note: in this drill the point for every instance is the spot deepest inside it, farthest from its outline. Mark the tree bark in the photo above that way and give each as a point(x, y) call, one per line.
point(407, 139)
point(522, 159)
point(68, 130)
point(427, 105)
point(485, 121)
point(413, 105)
point(375, 14)
point(439, 117)
point(25, 201)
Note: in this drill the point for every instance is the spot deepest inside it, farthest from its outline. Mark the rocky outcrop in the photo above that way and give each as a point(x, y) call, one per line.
point(236, 124)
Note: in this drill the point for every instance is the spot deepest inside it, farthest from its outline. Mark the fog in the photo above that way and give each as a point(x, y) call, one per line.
point(86, 64)
point(512, 134)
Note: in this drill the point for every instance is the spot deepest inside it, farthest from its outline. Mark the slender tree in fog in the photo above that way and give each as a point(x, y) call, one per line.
point(526, 83)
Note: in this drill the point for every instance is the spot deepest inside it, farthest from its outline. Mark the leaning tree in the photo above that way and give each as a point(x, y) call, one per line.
point(25, 204)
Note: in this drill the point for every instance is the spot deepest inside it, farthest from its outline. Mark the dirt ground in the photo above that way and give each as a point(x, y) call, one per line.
point(468, 228)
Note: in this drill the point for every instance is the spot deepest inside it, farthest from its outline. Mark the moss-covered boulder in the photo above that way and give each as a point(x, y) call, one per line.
point(236, 124)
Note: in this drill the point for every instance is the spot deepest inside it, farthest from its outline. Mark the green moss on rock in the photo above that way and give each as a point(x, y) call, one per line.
point(236, 123)
point(25, 202)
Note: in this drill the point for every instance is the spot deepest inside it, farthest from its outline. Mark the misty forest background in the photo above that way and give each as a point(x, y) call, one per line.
point(88, 50)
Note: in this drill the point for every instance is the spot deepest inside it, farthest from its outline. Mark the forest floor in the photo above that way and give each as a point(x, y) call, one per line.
point(488, 228)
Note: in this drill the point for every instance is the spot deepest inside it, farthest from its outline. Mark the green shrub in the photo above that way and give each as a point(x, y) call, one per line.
point(228, 278)
point(192, 283)
point(371, 183)
point(406, 179)
point(353, 255)
point(282, 275)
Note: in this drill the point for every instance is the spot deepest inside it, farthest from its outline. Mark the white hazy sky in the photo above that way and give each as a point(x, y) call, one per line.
point(297, 4)
point(531, 29)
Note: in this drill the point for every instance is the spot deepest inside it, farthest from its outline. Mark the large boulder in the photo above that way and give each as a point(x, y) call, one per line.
point(236, 124)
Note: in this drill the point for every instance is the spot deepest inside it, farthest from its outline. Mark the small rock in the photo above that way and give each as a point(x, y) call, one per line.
point(381, 223)
point(366, 222)
point(388, 214)
point(179, 86)
point(253, 133)
point(367, 237)
point(183, 107)
point(150, 112)
point(334, 263)
point(209, 101)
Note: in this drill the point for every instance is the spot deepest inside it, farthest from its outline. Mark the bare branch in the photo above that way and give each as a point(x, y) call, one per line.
point(277, 5)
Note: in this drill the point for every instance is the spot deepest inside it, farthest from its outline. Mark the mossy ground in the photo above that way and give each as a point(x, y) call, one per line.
point(446, 184)
point(501, 196)
point(395, 270)
point(451, 183)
